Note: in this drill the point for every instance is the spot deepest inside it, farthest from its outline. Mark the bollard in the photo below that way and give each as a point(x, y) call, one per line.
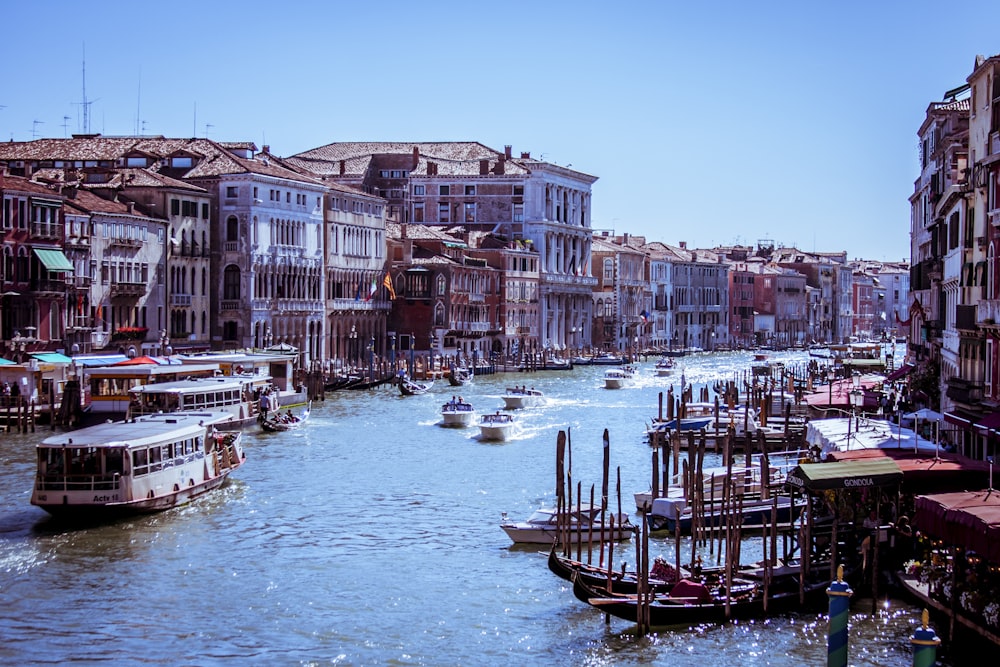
point(840, 604)
point(925, 643)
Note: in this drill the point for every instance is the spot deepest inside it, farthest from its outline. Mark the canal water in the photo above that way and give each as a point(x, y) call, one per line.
point(371, 536)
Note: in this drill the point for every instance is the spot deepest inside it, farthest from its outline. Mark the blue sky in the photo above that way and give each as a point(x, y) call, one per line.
point(711, 122)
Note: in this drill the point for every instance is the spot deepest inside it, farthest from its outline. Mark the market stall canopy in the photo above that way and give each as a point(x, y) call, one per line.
point(147, 360)
point(52, 358)
point(924, 415)
point(924, 473)
point(900, 372)
point(861, 474)
point(837, 435)
point(970, 519)
point(5, 362)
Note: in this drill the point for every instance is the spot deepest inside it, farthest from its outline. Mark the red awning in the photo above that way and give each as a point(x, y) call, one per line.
point(990, 422)
point(899, 372)
point(955, 420)
point(969, 519)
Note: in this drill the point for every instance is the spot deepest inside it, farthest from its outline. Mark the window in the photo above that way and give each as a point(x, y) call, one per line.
point(518, 190)
point(470, 190)
point(418, 190)
point(204, 211)
point(175, 207)
point(232, 191)
point(181, 162)
point(231, 283)
point(470, 212)
point(518, 212)
point(418, 213)
point(443, 212)
point(444, 190)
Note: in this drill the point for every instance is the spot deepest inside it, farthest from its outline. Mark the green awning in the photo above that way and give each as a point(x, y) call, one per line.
point(54, 260)
point(860, 474)
point(51, 358)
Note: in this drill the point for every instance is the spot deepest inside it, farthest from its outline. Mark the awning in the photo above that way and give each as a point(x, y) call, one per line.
point(52, 358)
point(6, 362)
point(861, 474)
point(990, 422)
point(54, 260)
point(957, 420)
point(103, 360)
point(899, 372)
point(970, 519)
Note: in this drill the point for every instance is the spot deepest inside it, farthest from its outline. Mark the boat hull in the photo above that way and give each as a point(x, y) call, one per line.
point(520, 533)
point(457, 419)
point(497, 433)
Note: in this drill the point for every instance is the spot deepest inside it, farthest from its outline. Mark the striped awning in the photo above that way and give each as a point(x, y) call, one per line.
point(53, 259)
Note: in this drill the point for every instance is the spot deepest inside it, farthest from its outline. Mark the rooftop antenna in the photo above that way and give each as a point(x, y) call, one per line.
point(194, 124)
point(85, 103)
point(65, 126)
point(34, 128)
point(138, 101)
point(207, 126)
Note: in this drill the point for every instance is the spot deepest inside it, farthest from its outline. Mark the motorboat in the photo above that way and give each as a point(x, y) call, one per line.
point(457, 413)
point(409, 387)
point(618, 378)
point(496, 426)
point(664, 367)
point(145, 464)
point(585, 525)
point(522, 397)
point(665, 513)
point(284, 421)
point(607, 359)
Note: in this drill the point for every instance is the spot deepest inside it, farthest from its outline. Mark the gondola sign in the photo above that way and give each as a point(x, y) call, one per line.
point(861, 474)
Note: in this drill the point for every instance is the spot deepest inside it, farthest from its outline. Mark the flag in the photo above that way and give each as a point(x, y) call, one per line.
point(387, 281)
point(97, 317)
point(372, 289)
point(645, 316)
point(79, 303)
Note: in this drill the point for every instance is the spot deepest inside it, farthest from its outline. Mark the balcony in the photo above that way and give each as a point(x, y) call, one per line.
point(49, 288)
point(988, 313)
point(77, 243)
point(132, 290)
point(231, 246)
point(964, 391)
point(79, 281)
point(125, 243)
point(46, 230)
point(231, 304)
point(180, 300)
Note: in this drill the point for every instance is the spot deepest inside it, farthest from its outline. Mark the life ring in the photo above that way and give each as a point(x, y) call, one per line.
point(239, 369)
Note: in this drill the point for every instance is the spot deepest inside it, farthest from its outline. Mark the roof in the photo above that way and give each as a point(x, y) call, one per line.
point(970, 519)
point(860, 474)
point(927, 473)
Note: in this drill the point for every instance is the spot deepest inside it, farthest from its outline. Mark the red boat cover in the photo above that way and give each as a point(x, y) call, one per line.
point(691, 591)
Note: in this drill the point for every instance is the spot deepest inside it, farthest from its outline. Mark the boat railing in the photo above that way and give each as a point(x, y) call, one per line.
point(58, 482)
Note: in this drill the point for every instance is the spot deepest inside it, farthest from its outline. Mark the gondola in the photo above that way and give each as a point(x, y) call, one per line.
point(459, 376)
point(693, 603)
point(621, 582)
point(411, 388)
point(278, 421)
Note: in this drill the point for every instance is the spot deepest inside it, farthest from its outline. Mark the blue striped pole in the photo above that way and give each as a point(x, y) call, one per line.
point(840, 605)
point(925, 644)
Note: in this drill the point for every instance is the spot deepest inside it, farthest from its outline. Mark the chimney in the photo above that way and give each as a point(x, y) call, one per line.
point(484, 167)
point(525, 155)
point(416, 158)
point(506, 152)
point(683, 245)
point(130, 207)
point(343, 167)
point(402, 230)
point(432, 168)
point(499, 169)
point(265, 149)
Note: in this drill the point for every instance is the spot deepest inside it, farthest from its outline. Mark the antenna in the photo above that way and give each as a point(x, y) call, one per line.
point(65, 126)
point(194, 124)
point(86, 104)
point(207, 126)
point(138, 101)
point(34, 128)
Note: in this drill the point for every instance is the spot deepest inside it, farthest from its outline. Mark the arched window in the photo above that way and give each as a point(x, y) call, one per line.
point(439, 315)
point(231, 283)
point(609, 270)
point(232, 228)
point(441, 285)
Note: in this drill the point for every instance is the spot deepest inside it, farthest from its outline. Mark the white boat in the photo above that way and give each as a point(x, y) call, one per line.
point(146, 464)
point(664, 367)
point(585, 525)
point(234, 395)
point(496, 426)
point(607, 359)
point(457, 413)
point(746, 480)
point(521, 397)
point(617, 378)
